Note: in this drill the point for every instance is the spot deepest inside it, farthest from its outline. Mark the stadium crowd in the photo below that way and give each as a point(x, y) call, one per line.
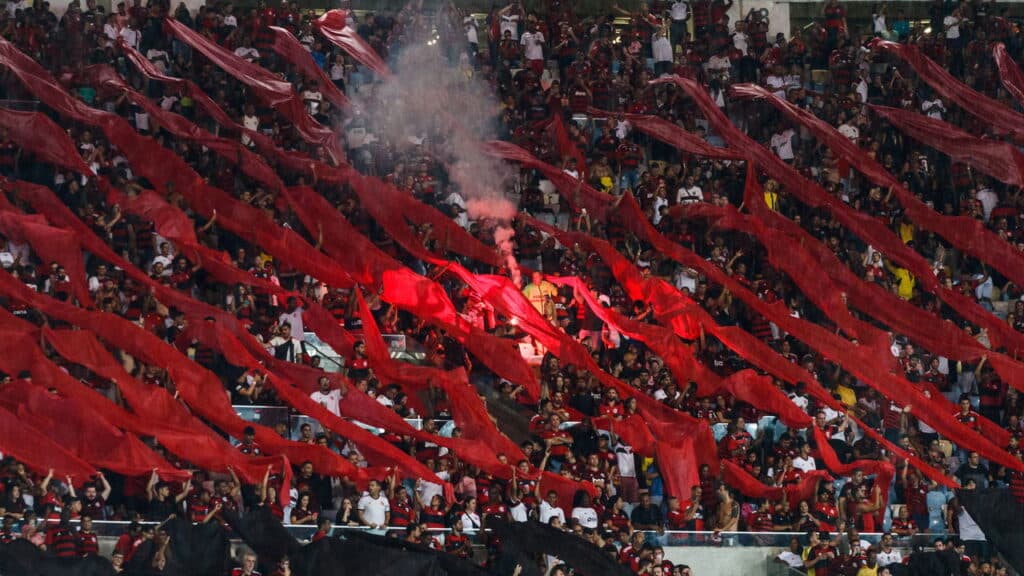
point(542, 66)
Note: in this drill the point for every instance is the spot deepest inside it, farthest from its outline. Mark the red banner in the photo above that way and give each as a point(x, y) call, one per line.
point(292, 52)
point(864, 226)
point(999, 117)
point(267, 87)
point(334, 28)
point(1009, 72)
point(967, 234)
point(1001, 160)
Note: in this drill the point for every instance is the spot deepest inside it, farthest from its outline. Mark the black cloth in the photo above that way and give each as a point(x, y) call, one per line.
point(522, 541)
point(23, 558)
point(998, 514)
point(194, 550)
point(357, 554)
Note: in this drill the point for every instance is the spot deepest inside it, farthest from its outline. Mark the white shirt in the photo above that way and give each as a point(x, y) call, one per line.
point(740, 41)
point(158, 57)
point(470, 25)
point(685, 278)
point(110, 31)
point(624, 460)
point(658, 203)
point(374, 510)
point(533, 43)
point(662, 49)
point(131, 36)
point(510, 23)
point(166, 261)
point(296, 351)
point(989, 200)
point(312, 98)
point(691, 195)
point(891, 557)
point(518, 512)
point(331, 401)
point(679, 11)
point(793, 560)
point(7, 260)
point(862, 90)
point(719, 64)
point(428, 489)
point(14, 6)
point(247, 53)
point(252, 123)
point(969, 529)
point(470, 521)
point(782, 144)
point(933, 108)
point(879, 23)
point(587, 517)
point(547, 512)
point(984, 290)
point(142, 121)
point(294, 319)
point(777, 84)
point(952, 25)
point(337, 71)
point(805, 465)
point(849, 130)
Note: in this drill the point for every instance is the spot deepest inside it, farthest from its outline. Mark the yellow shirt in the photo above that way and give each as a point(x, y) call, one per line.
point(807, 552)
point(846, 395)
point(772, 200)
point(865, 571)
point(906, 232)
point(537, 294)
point(906, 281)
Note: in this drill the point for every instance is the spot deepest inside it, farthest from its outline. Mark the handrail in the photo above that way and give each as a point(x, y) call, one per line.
point(320, 354)
point(664, 538)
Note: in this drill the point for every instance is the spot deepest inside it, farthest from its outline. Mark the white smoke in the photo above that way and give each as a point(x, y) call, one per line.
point(447, 110)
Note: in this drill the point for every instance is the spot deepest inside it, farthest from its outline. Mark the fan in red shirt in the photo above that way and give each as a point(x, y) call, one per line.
point(557, 440)
point(788, 474)
point(456, 542)
point(967, 416)
point(903, 524)
point(820, 555)
point(595, 471)
point(736, 442)
point(612, 406)
point(761, 521)
point(87, 542)
point(200, 505)
point(675, 517)
point(403, 512)
point(826, 511)
point(496, 509)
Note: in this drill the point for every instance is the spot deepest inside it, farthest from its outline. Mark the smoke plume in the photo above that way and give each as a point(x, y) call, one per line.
point(436, 106)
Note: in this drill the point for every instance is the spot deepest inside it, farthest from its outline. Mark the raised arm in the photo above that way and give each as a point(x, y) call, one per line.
point(186, 487)
point(151, 485)
point(45, 484)
point(105, 492)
